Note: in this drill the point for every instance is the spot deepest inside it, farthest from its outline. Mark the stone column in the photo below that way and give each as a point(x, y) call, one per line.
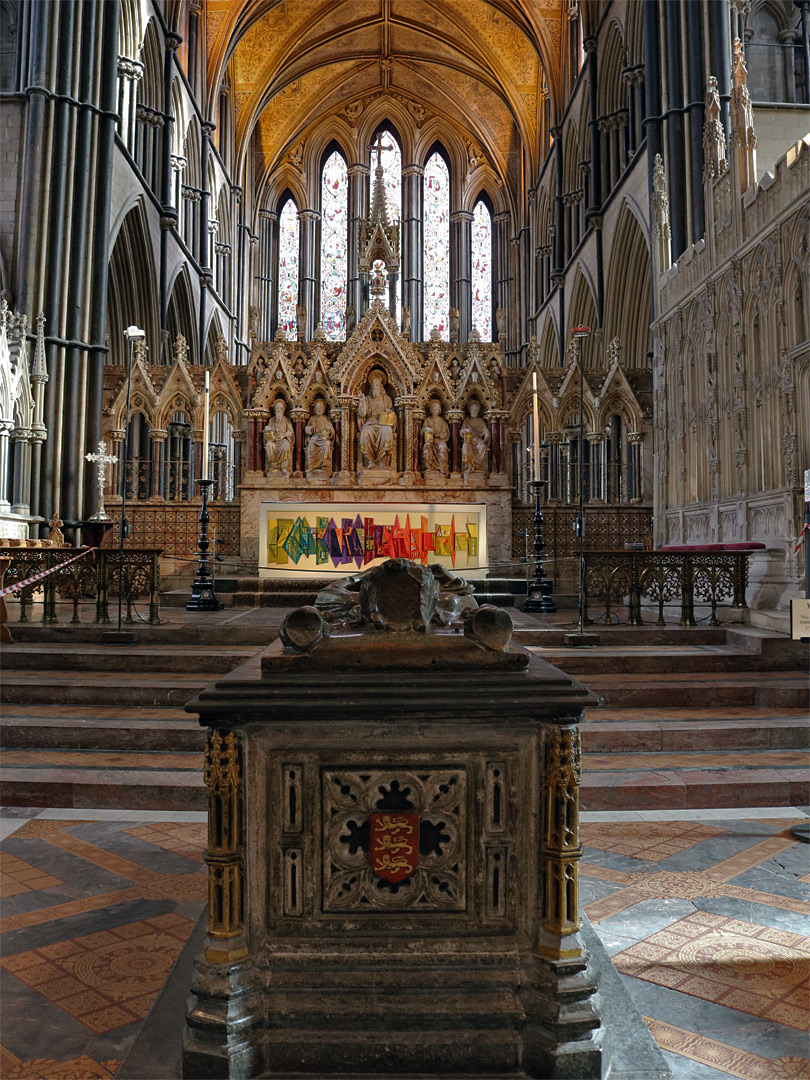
point(266, 275)
point(348, 408)
point(554, 438)
point(596, 440)
point(21, 486)
point(501, 279)
point(6, 427)
point(159, 438)
point(412, 246)
point(454, 419)
point(308, 267)
point(299, 418)
point(635, 439)
point(239, 439)
point(358, 211)
point(461, 269)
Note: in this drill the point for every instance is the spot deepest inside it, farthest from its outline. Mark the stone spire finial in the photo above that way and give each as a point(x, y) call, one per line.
point(662, 234)
point(743, 135)
point(714, 137)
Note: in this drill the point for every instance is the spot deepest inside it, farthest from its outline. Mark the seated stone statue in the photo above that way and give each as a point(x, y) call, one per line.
point(279, 439)
point(320, 439)
point(435, 433)
point(376, 413)
point(475, 441)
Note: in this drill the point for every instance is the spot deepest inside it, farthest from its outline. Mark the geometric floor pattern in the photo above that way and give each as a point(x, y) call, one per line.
point(705, 914)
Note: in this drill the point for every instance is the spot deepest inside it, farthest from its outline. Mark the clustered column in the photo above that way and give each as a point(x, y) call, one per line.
point(308, 270)
point(358, 208)
point(413, 200)
point(461, 269)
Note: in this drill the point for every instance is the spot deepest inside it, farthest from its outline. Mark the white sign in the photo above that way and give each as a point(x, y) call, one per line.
point(807, 485)
point(799, 618)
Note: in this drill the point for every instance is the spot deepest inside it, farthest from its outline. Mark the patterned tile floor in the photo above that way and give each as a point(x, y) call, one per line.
point(704, 912)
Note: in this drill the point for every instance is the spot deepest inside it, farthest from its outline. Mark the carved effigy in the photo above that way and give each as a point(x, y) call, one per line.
point(409, 878)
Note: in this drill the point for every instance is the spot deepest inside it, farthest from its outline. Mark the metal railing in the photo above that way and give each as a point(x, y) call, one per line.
point(627, 578)
point(95, 577)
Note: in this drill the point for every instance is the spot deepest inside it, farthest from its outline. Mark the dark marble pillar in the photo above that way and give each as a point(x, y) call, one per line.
point(412, 243)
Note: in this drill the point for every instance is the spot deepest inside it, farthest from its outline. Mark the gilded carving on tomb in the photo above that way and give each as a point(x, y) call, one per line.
point(394, 839)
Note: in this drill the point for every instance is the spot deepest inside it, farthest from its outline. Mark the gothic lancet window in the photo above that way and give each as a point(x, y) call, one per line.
point(288, 268)
point(437, 246)
point(334, 233)
point(482, 271)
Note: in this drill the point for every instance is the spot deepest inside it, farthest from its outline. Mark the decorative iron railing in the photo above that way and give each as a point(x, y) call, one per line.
point(94, 577)
point(606, 527)
point(627, 578)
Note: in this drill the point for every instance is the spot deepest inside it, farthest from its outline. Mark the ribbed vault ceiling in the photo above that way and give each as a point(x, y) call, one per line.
point(477, 65)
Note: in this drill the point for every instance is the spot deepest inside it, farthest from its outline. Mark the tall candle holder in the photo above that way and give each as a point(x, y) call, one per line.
point(203, 597)
point(539, 599)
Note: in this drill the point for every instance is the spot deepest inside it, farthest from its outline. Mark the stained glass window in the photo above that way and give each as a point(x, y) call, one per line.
point(334, 235)
point(288, 268)
point(391, 161)
point(437, 247)
point(482, 271)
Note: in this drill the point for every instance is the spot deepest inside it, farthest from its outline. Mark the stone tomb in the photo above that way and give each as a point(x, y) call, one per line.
point(393, 848)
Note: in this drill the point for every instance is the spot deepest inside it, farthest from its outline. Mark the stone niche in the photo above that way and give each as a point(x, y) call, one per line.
point(393, 849)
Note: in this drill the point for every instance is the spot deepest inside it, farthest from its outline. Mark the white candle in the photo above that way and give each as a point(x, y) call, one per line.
point(536, 432)
point(207, 397)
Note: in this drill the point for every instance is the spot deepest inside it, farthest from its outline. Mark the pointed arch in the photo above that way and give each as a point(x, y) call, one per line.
point(132, 295)
point(180, 317)
point(627, 315)
point(582, 312)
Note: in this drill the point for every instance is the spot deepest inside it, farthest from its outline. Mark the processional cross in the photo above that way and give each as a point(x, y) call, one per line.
point(102, 459)
point(378, 148)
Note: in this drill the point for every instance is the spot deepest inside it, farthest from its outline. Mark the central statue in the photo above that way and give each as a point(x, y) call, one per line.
point(376, 411)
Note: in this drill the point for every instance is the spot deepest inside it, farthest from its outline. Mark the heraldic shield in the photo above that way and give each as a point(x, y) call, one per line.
point(394, 845)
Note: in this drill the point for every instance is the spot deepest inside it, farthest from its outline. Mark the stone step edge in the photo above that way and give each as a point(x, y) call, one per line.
point(168, 791)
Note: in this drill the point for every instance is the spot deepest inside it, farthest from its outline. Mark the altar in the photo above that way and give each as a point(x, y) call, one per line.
point(375, 448)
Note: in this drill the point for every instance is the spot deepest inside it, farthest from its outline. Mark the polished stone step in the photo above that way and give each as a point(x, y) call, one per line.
point(209, 660)
point(702, 730)
point(98, 727)
point(161, 689)
point(785, 689)
point(174, 780)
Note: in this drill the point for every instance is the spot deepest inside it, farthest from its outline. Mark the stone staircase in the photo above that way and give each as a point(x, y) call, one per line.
point(256, 592)
point(704, 717)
